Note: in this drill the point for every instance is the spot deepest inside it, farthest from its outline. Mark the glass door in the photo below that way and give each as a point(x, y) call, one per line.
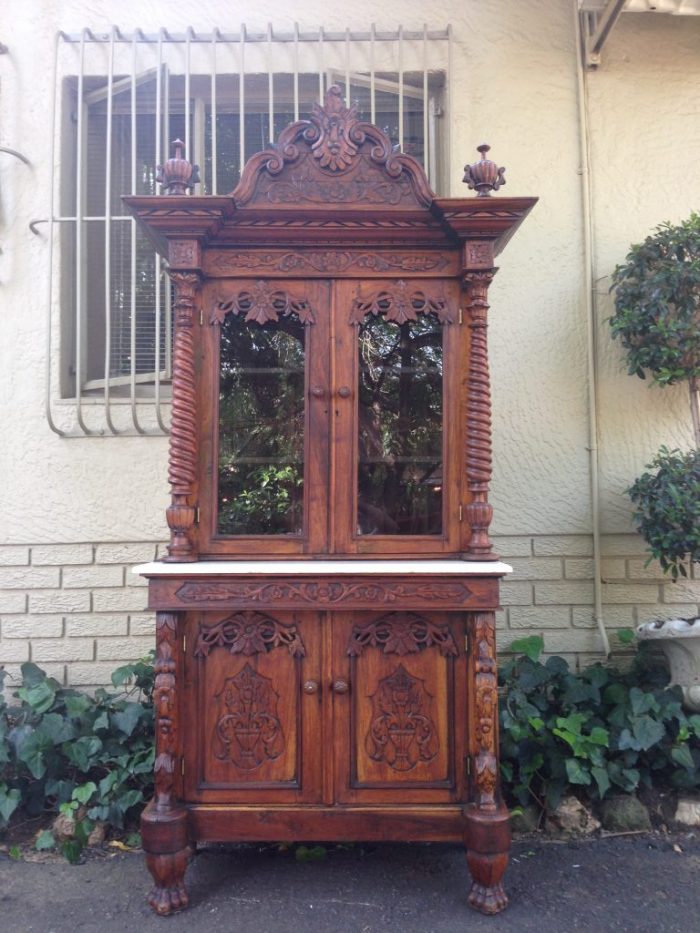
point(394, 469)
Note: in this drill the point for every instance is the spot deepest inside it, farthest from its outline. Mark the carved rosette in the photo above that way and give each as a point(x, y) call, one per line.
point(483, 641)
point(249, 633)
point(262, 303)
point(165, 708)
point(402, 634)
point(401, 303)
point(183, 444)
point(478, 453)
point(248, 730)
point(401, 733)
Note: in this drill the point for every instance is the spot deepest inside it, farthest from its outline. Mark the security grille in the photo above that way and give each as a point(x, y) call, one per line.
point(120, 99)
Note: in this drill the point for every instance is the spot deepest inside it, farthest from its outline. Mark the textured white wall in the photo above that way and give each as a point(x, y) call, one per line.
point(514, 85)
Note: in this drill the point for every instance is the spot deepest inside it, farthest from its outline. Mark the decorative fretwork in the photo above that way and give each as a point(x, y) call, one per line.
point(249, 633)
point(405, 633)
point(401, 733)
point(262, 302)
point(248, 730)
point(401, 303)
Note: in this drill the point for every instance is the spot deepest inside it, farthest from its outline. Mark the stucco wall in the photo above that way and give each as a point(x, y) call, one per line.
point(514, 83)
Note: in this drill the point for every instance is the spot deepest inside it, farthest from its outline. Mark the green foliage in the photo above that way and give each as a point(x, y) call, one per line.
point(90, 758)
point(657, 304)
point(667, 500)
point(600, 731)
point(268, 495)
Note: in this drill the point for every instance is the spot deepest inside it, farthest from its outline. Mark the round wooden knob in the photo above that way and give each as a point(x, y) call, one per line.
point(341, 686)
point(317, 392)
point(311, 686)
point(344, 392)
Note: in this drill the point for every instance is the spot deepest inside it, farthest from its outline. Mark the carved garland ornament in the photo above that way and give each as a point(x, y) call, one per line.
point(323, 593)
point(262, 302)
point(330, 260)
point(249, 633)
point(400, 303)
point(401, 733)
point(404, 634)
point(248, 730)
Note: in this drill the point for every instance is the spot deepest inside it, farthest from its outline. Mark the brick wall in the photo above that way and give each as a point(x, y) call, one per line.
point(79, 612)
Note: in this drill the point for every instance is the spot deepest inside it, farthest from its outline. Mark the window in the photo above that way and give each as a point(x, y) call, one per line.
point(124, 99)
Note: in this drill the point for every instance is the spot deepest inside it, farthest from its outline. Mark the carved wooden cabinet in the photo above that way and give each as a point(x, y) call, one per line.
point(325, 665)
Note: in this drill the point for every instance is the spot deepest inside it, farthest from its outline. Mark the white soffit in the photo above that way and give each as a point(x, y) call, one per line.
point(598, 19)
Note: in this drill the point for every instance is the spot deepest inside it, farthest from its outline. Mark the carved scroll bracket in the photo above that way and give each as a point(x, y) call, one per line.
point(183, 446)
point(262, 303)
point(165, 708)
point(478, 453)
point(401, 303)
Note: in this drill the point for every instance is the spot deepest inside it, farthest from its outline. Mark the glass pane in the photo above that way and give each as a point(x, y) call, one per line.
point(261, 427)
point(400, 427)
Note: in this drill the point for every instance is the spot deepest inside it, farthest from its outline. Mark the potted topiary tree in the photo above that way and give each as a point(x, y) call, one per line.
point(657, 321)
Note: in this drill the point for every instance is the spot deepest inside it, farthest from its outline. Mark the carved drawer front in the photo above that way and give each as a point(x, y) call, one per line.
point(405, 681)
point(253, 709)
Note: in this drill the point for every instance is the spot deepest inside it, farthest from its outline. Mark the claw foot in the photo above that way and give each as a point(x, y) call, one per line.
point(490, 900)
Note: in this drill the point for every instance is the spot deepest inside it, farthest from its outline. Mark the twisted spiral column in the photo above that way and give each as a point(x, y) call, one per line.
point(478, 445)
point(183, 441)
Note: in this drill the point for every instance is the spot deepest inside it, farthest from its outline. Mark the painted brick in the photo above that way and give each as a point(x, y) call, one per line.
point(14, 651)
point(92, 674)
point(537, 568)
point(637, 570)
point(501, 619)
point(613, 617)
point(613, 568)
point(622, 545)
point(61, 554)
point(92, 625)
point(685, 591)
point(123, 649)
point(573, 640)
point(516, 594)
point(92, 576)
point(13, 555)
point(54, 601)
point(124, 553)
point(630, 593)
point(161, 551)
point(24, 626)
point(13, 602)
point(119, 600)
point(63, 649)
point(538, 617)
point(30, 578)
point(142, 624)
point(134, 579)
point(563, 593)
point(666, 611)
point(511, 546)
point(581, 568)
point(564, 546)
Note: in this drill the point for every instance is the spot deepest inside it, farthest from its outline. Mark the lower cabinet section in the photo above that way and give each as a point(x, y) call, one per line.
point(325, 725)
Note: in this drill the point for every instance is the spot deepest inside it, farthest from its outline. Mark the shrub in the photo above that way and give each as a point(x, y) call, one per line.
point(598, 731)
point(89, 757)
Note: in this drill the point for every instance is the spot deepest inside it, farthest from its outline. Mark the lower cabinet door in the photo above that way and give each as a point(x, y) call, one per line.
point(399, 707)
point(252, 707)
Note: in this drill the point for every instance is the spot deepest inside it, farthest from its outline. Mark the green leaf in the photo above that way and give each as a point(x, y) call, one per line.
point(600, 776)
point(72, 850)
point(532, 646)
point(648, 731)
point(82, 752)
point(45, 840)
point(127, 719)
point(682, 756)
point(626, 636)
point(600, 736)
point(9, 801)
point(577, 772)
point(77, 704)
point(39, 697)
point(84, 792)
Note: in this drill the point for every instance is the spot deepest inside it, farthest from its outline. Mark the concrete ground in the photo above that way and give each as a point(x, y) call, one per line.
point(624, 883)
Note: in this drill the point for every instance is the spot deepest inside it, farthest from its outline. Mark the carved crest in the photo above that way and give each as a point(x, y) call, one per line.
point(401, 733)
point(249, 633)
point(402, 634)
point(248, 730)
point(401, 303)
point(262, 302)
point(333, 157)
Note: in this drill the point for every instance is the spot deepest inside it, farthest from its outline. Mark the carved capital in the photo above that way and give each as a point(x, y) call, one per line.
point(186, 287)
point(184, 254)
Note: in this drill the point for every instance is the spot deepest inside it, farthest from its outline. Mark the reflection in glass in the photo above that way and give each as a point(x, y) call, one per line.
point(400, 427)
point(261, 427)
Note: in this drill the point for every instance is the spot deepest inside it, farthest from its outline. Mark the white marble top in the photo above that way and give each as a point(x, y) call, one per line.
point(322, 567)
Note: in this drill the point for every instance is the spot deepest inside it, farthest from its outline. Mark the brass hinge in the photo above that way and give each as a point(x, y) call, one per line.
point(460, 513)
point(468, 765)
point(196, 514)
point(461, 315)
point(182, 767)
point(201, 316)
point(184, 644)
point(466, 643)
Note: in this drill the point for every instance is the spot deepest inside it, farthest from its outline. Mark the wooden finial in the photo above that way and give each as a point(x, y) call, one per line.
point(484, 176)
point(177, 175)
